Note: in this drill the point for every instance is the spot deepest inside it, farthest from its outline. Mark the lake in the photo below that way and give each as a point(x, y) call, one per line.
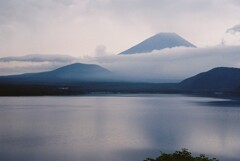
point(117, 127)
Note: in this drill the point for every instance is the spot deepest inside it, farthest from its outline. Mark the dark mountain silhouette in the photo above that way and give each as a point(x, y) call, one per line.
point(70, 73)
point(76, 79)
point(89, 78)
point(80, 71)
point(218, 79)
point(158, 42)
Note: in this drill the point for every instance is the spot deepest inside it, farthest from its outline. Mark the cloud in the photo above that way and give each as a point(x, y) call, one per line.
point(18, 67)
point(39, 58)
point(232, 36)
point(33, 63)
point(170, 64)
point(235, 29)
point(101, 50)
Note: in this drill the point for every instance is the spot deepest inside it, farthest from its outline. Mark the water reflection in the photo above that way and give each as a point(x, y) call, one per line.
point(116, 128)
point(220, 130)
point(222, 103)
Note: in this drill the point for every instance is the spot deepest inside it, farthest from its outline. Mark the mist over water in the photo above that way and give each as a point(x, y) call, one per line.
point(116, 128)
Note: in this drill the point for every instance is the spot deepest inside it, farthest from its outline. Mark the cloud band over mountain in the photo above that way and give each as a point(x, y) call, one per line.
point(33, 63)
point(165, 65)
point(171, 64)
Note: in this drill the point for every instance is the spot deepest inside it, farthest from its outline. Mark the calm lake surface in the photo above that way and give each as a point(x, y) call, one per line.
point(117, 127)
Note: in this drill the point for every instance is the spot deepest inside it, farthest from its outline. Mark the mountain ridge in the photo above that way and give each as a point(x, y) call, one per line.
point(80, 78)
point(216, 79)
point(68, 73)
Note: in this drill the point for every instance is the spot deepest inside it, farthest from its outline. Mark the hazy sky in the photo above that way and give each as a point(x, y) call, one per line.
point(91, 27)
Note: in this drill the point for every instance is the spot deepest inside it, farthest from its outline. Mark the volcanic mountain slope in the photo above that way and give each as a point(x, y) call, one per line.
point(158, 42)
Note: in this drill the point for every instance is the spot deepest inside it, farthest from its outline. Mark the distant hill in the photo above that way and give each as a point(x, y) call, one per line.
point(80, 71)
point(70, 73)
point(218, 79)
point(80, 78)
point(76, 79)
point(158, 42)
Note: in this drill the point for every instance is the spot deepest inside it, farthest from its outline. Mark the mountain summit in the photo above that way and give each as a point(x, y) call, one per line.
point(158, 42)
point(79, 71)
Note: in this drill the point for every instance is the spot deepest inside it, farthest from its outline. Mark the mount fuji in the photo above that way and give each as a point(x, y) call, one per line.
point(158, 42)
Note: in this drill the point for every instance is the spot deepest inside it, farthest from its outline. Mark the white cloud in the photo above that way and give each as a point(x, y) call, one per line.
point(160, 66)
point(232, 36)
point(39, 58)
point(171, 64)
point(101, 50)
point(235, 29)
point(33, 63)
point(19, 67)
